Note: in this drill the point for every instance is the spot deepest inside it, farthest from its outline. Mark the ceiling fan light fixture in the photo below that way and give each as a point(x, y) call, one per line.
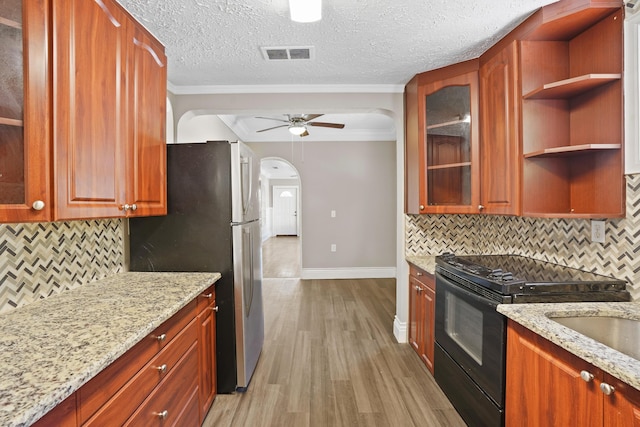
point(305, 10)
point(297, 129)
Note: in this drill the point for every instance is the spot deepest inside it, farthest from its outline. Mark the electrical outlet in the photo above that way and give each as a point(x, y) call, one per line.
point(597, 231)
point(333, 214)
point(333, 247)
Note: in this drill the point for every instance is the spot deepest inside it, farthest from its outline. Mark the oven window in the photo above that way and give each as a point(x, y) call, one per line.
point(463, 324)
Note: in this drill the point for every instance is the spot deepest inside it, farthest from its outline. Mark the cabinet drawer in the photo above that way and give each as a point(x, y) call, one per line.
point(93, 395)
point(172, 397)
point(422, 276)
point(125, 402)
point(204, 300)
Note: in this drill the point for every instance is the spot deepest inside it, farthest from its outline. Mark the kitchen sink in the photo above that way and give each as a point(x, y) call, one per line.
point(618, 333)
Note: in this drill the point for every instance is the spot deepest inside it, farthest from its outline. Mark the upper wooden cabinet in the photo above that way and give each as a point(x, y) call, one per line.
point(551, 122)
point(500, 153)
point(25, 112)
point(442, 141)
point(91, 140)
point(109, 97)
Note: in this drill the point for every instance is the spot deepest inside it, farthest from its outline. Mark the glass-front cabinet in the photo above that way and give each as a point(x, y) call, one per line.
point(449, 181)
point(24, 107)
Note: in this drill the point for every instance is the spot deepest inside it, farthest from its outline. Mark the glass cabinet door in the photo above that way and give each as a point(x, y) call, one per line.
point(25, 119)
point(12, 178)
point(451, 176)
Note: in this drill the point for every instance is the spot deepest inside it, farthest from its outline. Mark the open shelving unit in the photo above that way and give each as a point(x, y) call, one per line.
point(572, 134)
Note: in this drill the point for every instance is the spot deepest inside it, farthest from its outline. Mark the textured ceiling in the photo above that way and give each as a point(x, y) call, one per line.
point(366, 42)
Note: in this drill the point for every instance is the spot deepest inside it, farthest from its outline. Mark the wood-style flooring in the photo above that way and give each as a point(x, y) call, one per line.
point(281, 257)
point(330, 359)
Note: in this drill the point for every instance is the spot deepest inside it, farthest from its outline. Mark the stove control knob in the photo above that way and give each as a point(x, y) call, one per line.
point(507, 276)
point(496, 273)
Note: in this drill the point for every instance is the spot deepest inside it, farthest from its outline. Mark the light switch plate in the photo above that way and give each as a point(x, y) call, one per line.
point(597, 231)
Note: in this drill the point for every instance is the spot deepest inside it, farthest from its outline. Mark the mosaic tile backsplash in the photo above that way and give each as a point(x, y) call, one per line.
point(562, 241)
point(42, 259)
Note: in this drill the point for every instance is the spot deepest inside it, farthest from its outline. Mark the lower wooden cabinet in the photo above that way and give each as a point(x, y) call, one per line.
point(545, 386)
point(168, 378)
point(422, 298)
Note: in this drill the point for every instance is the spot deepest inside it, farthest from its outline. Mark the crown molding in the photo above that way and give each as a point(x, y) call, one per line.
point(239, 89)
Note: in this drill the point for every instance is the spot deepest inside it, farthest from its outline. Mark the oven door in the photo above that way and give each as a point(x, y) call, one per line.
point(473, 334)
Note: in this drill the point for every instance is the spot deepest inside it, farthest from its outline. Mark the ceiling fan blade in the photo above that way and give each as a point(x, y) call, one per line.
point(271, 118)
point(275, 127)
point(308, 117)
point(327, 125)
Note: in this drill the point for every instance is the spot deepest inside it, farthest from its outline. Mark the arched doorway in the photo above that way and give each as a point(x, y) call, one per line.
point(281, 218)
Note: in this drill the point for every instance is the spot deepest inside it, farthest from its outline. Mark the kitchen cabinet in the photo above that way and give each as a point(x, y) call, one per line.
point(442, 141)
point(82, 113)
point(500, 148)
point(572, 111)
point(25, 124)
point(109, 145)
point(63, 415)
point(207, 351)
point(422, 297)
point(547, 385)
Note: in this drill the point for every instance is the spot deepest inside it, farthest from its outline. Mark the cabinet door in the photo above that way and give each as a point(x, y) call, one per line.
point(500, 145)
point(146, 155)
point(207, 359)
point(415, 313)
point(428, 297)
point(544, 386)
point(622, 408)
point(24, 111)
point(89, 108)
point(449, 169)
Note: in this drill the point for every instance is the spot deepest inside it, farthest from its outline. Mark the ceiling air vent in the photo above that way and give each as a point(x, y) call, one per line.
point(287, 53)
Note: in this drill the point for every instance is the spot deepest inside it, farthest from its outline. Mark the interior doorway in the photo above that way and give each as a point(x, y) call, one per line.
point(281, 219)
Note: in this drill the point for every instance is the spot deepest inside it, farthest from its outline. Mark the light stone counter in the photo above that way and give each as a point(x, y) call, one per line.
point(50, 348)
point(535, 318)
point(425, 262)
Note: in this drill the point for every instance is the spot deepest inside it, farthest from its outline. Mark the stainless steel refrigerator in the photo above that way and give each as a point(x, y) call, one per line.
point(213, 224)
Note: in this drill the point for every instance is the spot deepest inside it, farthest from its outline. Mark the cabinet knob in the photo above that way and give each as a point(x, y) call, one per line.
point(125, 207)
point(607, 389)
point(421, 207)
point(133, 207)
point(419, 274)
point(215, 308)
point(480, 207)
point(208, 296)
point(162, 415)
point(162, 369)
point(161, 337)
point(586, 376)
point(38, 205)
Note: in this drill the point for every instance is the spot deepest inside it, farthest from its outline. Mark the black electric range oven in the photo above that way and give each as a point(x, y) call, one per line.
point(470, 351)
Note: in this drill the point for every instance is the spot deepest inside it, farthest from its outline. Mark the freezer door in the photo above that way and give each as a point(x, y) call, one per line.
point(249, 315)
point(245, 171)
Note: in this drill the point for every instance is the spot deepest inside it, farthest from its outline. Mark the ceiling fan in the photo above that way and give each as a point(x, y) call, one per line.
point(297, 123)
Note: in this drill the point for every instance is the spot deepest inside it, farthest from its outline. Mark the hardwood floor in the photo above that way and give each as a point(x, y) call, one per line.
point(330, 359)
point(281, 257)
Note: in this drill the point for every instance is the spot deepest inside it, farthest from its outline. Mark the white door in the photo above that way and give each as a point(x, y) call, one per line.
point(285, 211)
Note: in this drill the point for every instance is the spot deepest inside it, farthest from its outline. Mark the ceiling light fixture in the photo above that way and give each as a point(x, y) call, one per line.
point(297, 129)
point(305, 10)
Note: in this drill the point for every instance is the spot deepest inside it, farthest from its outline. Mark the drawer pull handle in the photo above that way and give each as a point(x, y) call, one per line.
point(162, 415)
point(586, 376)
point(208, 296)
point(162, 369)
point(215, 308)
point(161, 337)
point(418, 274)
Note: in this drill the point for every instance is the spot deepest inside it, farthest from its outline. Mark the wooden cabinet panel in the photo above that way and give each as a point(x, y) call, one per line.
point(207, 358)
point(500, 146)
point(89, 96)
point(63, 415)
point(422, 314)
point(146, 161)
point(622, 408)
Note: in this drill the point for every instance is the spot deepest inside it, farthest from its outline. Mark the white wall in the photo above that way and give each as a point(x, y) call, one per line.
point(206, 127)
point(383, 102)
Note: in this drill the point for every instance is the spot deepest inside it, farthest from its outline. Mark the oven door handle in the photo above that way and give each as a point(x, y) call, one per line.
point(460, 290)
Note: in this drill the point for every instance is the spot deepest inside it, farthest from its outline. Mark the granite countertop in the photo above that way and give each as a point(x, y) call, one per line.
point(425, 262)
point(50, 348)
point(535, 318)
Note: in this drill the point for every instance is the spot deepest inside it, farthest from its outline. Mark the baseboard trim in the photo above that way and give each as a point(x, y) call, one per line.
point(349, 273)
point(400, 330)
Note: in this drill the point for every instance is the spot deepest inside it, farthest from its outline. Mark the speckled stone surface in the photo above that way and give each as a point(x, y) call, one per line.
point(50, 348)
point(536, 318)
point(425, 262)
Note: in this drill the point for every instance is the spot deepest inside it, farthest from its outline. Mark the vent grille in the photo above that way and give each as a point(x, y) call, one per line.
point(288, 53)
